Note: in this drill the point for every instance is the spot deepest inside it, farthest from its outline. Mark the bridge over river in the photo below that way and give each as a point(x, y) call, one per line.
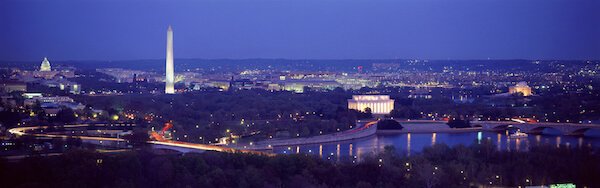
point(537, 128)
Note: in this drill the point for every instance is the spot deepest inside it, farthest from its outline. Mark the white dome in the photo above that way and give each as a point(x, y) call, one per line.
point(45, 65)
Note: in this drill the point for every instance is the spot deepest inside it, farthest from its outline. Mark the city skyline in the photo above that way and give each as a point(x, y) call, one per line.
point(270, 29)
point(300, 93)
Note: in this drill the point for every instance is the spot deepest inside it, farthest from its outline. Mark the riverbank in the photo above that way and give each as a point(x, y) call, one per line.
point(363, 131)
point(428, 127)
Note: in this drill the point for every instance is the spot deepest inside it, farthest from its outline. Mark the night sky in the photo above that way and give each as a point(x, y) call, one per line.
point(300, 29)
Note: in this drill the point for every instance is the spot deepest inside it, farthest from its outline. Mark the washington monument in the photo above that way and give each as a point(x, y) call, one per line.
point(169, 85)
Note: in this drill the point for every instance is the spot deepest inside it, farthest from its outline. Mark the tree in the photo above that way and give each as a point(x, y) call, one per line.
point(368, 112)
point(38, 110)
point(73, 141)
point(389, 124)
point(405, 112)
point(66, 116)
point(427, 173)
point(458, 123)
point(9, 119)
point(58, 143)
point(138, 137)
point(362, 184)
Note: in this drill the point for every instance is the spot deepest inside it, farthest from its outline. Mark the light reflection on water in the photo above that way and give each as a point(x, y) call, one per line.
point(415, 142)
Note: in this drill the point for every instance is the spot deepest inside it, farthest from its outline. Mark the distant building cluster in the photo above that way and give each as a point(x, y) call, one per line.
point(45, 72)
point(129, 76)
point(278, 81)
point(8, 86)
point(45, 75)
point(379, 104)
point(51, 105)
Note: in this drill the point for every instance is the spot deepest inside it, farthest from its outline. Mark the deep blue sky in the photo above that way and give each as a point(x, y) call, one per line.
point(298, 29)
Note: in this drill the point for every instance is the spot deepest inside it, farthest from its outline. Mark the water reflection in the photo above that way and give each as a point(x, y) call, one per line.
point(508, 143)
point(415, 142)
point(498, 143)
point(320, 150)
point(350, 153)
point(338, 152)
point(408, 144)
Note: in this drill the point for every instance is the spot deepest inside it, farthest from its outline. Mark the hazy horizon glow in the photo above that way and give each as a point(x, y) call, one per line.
point(294, 29)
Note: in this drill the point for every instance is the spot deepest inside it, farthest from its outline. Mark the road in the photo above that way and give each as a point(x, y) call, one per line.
point(20, 131)
point(363, 129)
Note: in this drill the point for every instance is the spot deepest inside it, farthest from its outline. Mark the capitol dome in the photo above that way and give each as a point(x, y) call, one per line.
point(45, 65)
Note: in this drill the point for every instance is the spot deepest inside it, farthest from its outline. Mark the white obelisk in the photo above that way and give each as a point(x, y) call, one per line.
point(169, 80)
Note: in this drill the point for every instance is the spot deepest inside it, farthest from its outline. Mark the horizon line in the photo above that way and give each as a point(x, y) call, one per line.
point(304, 59)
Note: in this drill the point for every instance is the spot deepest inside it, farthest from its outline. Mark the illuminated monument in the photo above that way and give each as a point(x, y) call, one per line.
point(47, 73)
point(379, 104)
point(522, 88)
point(169, 75)
point(45, 65)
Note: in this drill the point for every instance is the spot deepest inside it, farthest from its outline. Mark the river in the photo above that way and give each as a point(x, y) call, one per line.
point(409, 143)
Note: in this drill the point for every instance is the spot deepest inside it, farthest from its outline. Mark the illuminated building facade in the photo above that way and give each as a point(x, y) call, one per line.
point(522, 88)
point(10, 86)
point(297, 86)
point(46, 72)
point(379, 104)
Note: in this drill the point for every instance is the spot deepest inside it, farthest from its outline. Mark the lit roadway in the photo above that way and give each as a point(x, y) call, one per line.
point(20, 131)
point(360, 131)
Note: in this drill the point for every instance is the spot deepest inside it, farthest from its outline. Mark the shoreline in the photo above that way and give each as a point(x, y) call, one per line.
point(448, 130)
point(409, 127)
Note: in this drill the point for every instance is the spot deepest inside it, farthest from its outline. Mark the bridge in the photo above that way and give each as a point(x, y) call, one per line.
point(537, 128)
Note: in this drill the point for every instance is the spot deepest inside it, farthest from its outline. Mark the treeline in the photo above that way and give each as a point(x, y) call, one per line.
point(209, 114)
point(437, 166)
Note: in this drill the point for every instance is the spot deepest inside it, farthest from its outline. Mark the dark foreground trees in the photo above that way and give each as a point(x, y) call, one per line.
point(389, 124)
point(459, 123)
point(438, 166)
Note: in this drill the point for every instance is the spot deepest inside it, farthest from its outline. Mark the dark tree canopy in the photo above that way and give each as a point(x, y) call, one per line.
point(65, 116)
point(436, 166)
point(459, 123)
point(389, 124)
point(9, 118)
point(139, 137)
